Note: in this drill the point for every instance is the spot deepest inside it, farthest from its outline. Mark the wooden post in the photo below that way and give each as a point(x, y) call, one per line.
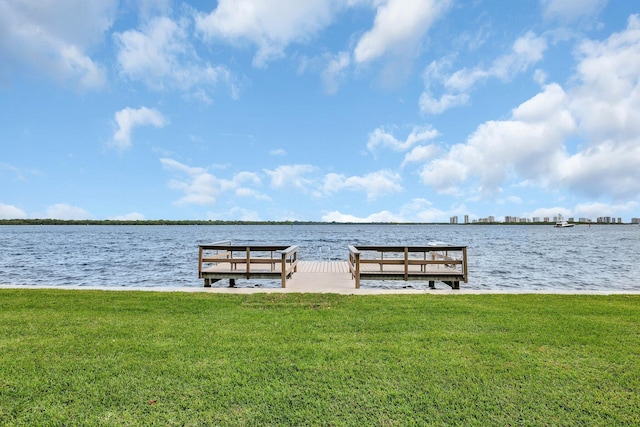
point(200, 263)
point(432, 284)
point(207, 283)
point(357, 262)
point(464, 264)
point(406, 264)
point(283, 271)
point(248, 262)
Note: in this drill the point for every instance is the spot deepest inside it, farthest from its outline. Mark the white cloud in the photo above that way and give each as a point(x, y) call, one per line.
point(162, 57)
point(550, 212)
point(132, 216)
point(422, 210)
point(65, 211)
point(278, 152)
point(528, 145)
point(382, 138)
point(251, 193)
point(129, 118)
point(585, 138)
point(590, 210)
point(447, 174)
point(606, 104)
point(398, 28)
point(235, 213)
point(293, 176)
point(270, 25)
point(54, 37)
point(607, 169)
point(420, 154)
point(431, 105)
point(567, 11)
point(150, 8)
point(525, 52)
point(384, 216)
point(335, 71)
point(375, 184)
point(417, 210)
point(595, 209)
point(11, 212)
point(202, 188)
point(607, 99)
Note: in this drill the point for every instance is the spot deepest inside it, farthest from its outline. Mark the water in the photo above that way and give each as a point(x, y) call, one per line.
point(597, 258)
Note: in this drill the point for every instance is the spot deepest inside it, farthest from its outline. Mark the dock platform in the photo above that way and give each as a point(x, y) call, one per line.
point(221, 260)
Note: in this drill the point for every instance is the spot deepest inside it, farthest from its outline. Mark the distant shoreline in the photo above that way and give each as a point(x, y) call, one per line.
point(221, 222)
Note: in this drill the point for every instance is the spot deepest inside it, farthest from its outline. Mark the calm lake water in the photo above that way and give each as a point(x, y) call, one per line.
point(522, 257)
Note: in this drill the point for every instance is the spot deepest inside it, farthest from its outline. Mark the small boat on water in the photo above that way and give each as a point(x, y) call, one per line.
point(561, 223)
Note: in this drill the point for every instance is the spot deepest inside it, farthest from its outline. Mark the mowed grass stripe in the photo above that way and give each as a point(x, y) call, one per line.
point(143, 358)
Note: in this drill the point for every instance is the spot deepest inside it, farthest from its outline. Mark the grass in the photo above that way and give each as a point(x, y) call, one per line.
point(146, 358)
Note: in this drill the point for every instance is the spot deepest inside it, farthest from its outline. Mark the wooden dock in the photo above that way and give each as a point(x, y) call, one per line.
point(222, 260)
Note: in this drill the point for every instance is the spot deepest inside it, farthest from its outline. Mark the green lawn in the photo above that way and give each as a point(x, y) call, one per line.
point(147, 358)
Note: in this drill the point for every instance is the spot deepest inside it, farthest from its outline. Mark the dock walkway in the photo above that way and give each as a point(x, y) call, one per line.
point(221, 260)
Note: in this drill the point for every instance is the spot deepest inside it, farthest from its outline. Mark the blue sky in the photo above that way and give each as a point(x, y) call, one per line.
point(323, 110)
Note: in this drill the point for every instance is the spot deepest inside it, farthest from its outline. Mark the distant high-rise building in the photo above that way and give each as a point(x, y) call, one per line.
point(466, 219)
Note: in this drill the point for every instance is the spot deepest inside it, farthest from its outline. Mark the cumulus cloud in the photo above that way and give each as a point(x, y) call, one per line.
point(11, 212)
point(567, 11)
point(416, 210)
point(606, 104)
point(200, 187)
point(382, 138)
point(420, 154)
point(429, 104)
point(132, 216)
point(278, 152)
point(203, 188)
point(537, 144)
point(129, 118)
point(596, 209)
point(398, 28)
point(383, 216)
point(528, 145)
point(161, 56)
point(375, 184)
point(54, 37)
point(65, 211)
point(235, 213)
point(525, 52)
point(270, 25)
point(335, 71)
point(292, 176)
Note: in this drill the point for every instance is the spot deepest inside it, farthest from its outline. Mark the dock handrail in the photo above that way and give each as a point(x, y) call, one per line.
point(437, 263)
point(286, 257)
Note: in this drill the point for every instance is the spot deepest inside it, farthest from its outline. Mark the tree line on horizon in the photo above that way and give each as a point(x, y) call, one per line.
point(50, 221)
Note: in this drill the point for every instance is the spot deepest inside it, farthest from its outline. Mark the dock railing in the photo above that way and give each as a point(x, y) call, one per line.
point(222, 260)
point(447, 264)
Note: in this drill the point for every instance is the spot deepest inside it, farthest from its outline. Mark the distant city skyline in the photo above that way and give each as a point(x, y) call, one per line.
point(319, 110)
